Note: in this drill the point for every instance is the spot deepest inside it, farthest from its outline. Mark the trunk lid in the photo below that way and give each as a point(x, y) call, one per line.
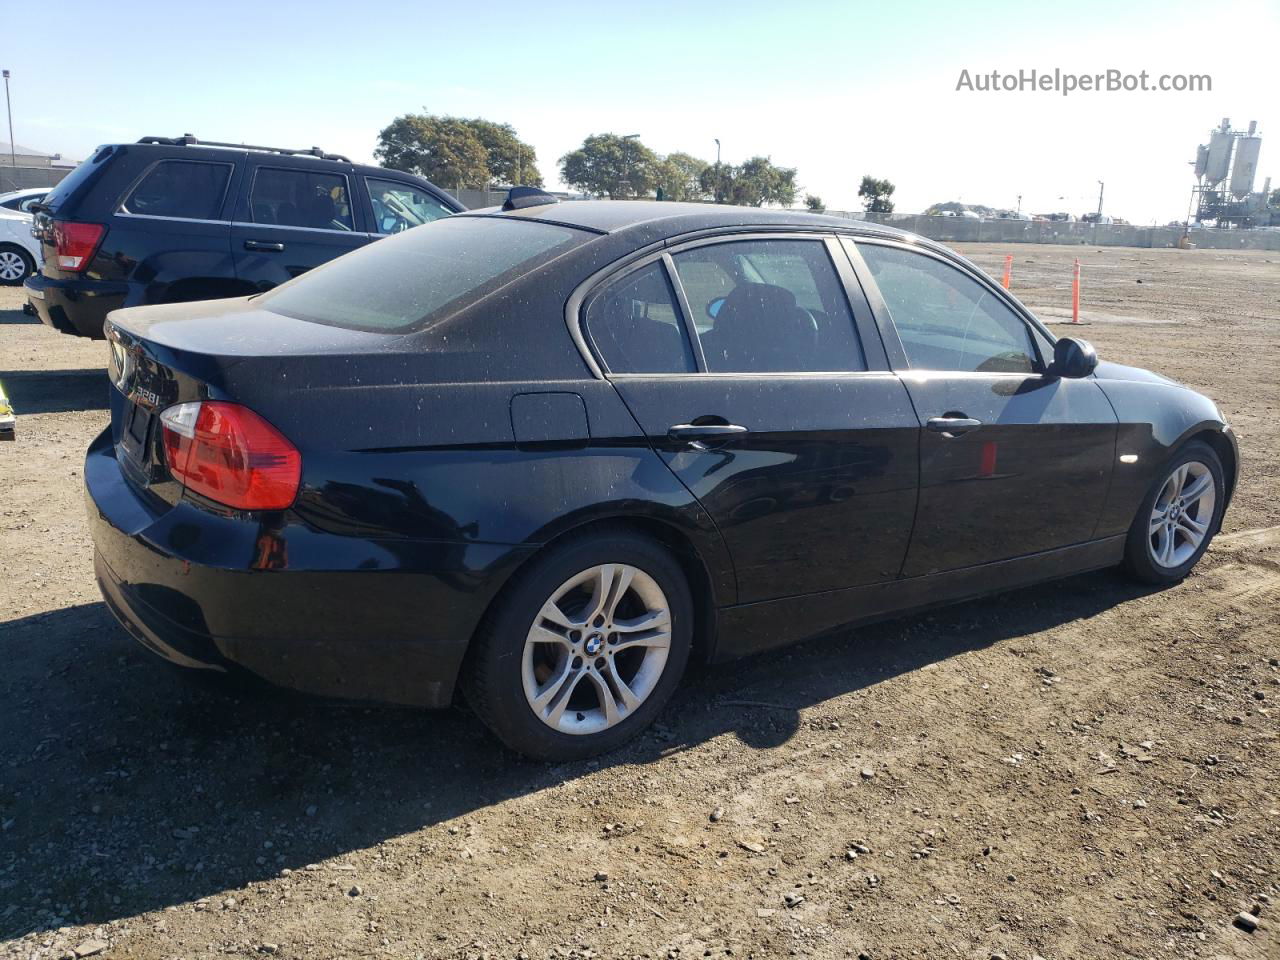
point(222, 350)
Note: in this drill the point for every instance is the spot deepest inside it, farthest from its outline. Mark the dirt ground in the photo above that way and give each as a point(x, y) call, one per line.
point(1087, 769)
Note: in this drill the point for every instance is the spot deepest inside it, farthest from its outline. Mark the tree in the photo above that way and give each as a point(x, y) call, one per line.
point(716, 182)
point(611, 166)
point(510, 160)
point(753, 184)
point(458, 152)
point(876, 195)
point(443, 149)
point(760, 182)
point(814, 203)
point(679, 177)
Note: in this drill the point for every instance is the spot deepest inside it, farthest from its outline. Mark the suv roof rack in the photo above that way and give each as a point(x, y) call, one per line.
point(189, 140)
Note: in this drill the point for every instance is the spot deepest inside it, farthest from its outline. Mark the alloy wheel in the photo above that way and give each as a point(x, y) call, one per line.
point(1182, 514)
point(597, 649)
point(12, 266)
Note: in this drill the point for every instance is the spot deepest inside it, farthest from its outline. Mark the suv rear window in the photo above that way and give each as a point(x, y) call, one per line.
point(187, 189)
point(409, 280)
point(68, 184)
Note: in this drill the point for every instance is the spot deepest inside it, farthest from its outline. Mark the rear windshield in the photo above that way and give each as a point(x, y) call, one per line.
point(67, 185)
point(415, 278)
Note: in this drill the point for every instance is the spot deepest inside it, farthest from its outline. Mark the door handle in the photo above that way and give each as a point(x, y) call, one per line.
point(263, 245)
point(703, 431)
point(952, 426)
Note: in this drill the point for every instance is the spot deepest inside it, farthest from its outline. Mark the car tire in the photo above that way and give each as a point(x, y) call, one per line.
point(1161, 547)
point(16, 265)
point(604, 613)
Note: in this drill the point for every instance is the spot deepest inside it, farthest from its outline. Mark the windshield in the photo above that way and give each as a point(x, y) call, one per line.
point(408, 281)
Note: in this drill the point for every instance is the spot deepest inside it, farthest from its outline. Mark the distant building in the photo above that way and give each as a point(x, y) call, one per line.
point(22, 167)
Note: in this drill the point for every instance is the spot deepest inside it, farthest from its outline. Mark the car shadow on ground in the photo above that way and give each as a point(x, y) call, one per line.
point(56, 391)
point(17, 316)
point(131, 786)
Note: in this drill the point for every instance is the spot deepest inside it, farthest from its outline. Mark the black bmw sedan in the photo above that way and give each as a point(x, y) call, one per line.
point(553, 453)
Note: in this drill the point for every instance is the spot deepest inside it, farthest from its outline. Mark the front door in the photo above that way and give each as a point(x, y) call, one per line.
point(289, 221)
point(769, 406)
point(1013, 461)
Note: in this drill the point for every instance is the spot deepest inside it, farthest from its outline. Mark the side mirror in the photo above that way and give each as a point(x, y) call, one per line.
point(1073, 358)
point(713, 308)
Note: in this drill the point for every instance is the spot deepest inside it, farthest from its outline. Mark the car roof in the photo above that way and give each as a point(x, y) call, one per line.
point(671, 219)
point(24, 192)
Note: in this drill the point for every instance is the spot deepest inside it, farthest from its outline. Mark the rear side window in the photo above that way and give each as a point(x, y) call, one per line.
point(636, 326)
point(186, 189)
point(769, 306)
point(398, 206)
point(945, 319)
point(411, 280)
point(300, 198)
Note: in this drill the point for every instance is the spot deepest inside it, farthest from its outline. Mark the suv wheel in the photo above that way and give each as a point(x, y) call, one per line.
point(584, 649)
point(15, 265)
point(1178, 517)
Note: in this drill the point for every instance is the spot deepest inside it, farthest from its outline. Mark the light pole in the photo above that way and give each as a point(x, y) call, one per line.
point(626, 152)
point(717, 190)
point(1101, 186)
point(13, 155)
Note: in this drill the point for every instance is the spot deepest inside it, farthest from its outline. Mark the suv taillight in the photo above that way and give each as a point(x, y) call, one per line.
point(229, 454)
point(75, 243)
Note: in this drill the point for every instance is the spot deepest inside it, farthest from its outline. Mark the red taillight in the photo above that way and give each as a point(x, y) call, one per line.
point(229, 454)
point(75, 243)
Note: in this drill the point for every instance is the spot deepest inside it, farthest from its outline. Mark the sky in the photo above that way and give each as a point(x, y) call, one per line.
point(836, 90)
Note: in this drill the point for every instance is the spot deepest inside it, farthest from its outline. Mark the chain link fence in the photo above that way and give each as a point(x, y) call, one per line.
point(967, 230)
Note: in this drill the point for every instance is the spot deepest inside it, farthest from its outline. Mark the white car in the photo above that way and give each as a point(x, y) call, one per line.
point(20, 201)
point(19, 251)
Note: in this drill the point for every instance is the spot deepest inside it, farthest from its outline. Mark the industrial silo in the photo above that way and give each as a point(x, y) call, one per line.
point(1245, 167)
point(1202, 161)
point(1219, 162)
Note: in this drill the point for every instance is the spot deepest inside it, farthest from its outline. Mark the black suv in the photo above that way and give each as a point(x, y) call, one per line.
point(166, 220)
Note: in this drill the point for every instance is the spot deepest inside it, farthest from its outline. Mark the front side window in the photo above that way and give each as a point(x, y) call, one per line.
point(420, 278)
point(399, 206)
point(300, 198)
point(769, 306)
point(186, 189)
point(945, 319)
point(636, 326)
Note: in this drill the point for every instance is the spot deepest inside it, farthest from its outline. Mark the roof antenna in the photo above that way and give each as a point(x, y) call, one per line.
point(520, 197)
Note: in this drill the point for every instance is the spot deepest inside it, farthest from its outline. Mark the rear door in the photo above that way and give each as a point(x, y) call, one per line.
point(764, 387)
point(290, 219)
point(1013, 461)
point(172, 224)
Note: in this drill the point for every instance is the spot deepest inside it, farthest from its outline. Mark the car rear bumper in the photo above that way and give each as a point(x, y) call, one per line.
point(170, 576)
point(78, 307)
